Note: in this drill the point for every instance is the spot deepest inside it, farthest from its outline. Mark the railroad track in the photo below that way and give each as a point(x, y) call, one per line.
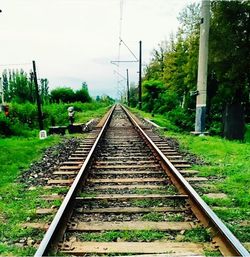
point(127, 197)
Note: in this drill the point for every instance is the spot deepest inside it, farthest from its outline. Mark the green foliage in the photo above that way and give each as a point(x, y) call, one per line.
point(5, 125)
point(153, 216)
point(17, 205)
point(197, 235)
point(229, 160)
point(151, 92)
point(19, 87)
point(62, 94)
point(82, 95)
point(181, 118)
point(23, 117)
point(133, 95)
point(67, 95)
point(113, 236)
point(172, 73)
point(174, 66)
point(12, 127)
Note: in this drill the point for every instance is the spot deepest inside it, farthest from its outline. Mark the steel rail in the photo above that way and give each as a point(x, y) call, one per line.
point(58, 225)
point(228, 243)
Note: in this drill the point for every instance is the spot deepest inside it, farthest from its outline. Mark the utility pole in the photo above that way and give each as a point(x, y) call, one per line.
point(139, 86)
point(128, 94)
point(202, 69)
point(39, 107)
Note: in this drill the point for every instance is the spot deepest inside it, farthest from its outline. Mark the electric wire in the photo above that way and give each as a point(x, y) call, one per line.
point(129, 49)
point(15, 64)
point(119, 45)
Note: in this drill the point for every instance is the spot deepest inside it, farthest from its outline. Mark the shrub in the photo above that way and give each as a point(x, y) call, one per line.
point(82, 95)
point(12, 127)
point(62, 94)
point(25, 113)
point(180, 118)
point(5, 125)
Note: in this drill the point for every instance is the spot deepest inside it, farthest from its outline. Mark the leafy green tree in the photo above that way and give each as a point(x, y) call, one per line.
point(133, 95)
point(19, 87)
point(44, 90)
point(82, 95)
point(151, 92)
point(62, 94)
point(230, 59)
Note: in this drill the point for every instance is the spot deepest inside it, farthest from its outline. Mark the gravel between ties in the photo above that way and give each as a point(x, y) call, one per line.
point(40, 171)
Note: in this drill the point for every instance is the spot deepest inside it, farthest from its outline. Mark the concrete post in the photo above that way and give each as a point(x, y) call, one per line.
point(202, 68)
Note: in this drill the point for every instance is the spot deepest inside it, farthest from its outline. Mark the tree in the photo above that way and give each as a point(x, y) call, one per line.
point(62, 94)
point(19, 87)
point(82, 95)
point(44, 90)
point(151, 92)
point(230, 59)
point(133, 95)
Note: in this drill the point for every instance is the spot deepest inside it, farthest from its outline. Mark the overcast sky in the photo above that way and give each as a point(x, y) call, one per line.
point(74, 40)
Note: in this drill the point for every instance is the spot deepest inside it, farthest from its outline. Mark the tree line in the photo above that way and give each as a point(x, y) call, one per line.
point(19, 87)
point(170, 79)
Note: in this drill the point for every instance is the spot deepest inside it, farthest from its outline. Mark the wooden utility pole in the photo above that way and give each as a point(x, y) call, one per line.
point(202, 69)
point(128, 93)
point(139, 86)
point(39, 107)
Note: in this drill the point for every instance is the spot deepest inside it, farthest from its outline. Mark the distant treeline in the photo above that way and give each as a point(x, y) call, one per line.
point(20, 96)
point(171, 76)
point(19, 87)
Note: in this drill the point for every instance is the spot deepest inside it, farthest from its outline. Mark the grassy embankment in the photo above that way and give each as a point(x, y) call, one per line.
point(18, 205)
point(228, 167)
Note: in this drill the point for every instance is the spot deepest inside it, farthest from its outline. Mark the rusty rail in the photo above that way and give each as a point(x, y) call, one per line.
point(58, 225)
point(229, 245)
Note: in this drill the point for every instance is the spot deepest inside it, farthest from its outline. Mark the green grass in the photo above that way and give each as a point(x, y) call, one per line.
point(16, 250)
point(84, 116)
point(228, 163)
point(17, 204)
point(157, 118)
point(154, 216)
point(228, 160)
point(113, 236)
point(197, 235)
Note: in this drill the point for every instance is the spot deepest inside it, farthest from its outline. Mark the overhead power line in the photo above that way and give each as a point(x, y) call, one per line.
point(15, 64)
point(129, 49)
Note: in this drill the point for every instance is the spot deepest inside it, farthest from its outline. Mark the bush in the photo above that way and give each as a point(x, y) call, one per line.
point(23, 117)
point(82, 95)
point(5, 125)
point(25, 113)
point(180, 118)
point(12, 127)
point(62, 94)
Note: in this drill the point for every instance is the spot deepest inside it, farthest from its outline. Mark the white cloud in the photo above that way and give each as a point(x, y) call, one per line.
point(75, 40)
